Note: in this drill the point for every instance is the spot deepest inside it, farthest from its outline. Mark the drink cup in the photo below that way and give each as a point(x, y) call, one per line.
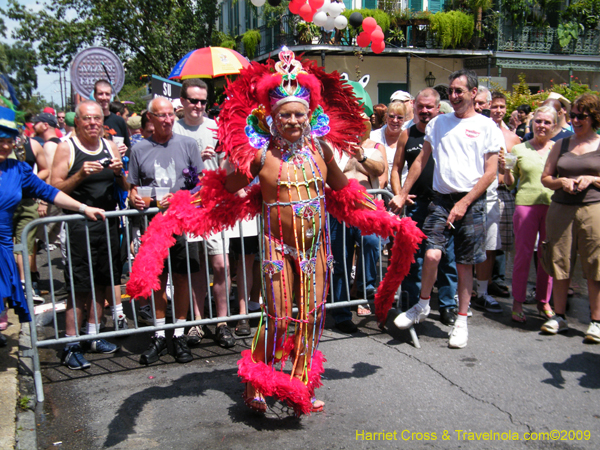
point(146, 193)
point(510, 161)
point(118, 140)
point(160, 193)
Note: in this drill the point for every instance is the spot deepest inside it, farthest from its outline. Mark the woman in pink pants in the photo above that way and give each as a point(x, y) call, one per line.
point(532, 202)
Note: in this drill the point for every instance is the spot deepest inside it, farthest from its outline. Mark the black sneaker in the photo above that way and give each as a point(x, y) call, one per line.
point(224, 337)
point(498, 290)
point(158, 347)
point(3, 340)
point(73, 358)
point(145, 315)
point(487, 303)
point(347, 326)
point(182, 351)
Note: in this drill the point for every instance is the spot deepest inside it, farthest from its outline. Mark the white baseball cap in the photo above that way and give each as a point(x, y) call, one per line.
point(400, 96)
point(176, 104)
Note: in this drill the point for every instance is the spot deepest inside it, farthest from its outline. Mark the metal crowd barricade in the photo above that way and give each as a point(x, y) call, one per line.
point(134, 326)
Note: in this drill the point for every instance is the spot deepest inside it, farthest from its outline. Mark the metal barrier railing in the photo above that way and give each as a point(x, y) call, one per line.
point(124, 216)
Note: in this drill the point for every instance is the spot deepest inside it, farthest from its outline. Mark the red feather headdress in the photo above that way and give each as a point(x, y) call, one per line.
point(249, 99)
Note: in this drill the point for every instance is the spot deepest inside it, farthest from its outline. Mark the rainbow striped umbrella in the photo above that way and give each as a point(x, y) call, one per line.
point(208, 62)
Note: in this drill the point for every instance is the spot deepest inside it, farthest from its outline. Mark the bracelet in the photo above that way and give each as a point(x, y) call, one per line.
point(363, 160)
point(82, 208)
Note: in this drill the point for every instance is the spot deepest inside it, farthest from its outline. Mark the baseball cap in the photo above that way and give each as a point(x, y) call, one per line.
point(49, 110)
point(46, 118)
point(70, 119)
point(400, 96)
point(177, 104)
point(565, 102)
point(134, 122)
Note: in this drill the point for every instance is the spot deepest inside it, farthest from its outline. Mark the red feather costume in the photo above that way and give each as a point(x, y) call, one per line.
point(213, 209)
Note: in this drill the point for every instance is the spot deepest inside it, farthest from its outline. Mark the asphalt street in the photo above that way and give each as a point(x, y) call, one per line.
point(510, 379)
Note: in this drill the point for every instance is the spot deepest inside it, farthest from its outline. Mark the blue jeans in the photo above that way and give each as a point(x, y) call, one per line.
point(447, 277)
point(343, 256)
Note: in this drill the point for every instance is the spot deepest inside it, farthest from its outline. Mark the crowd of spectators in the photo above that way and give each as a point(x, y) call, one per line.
point(473, 184)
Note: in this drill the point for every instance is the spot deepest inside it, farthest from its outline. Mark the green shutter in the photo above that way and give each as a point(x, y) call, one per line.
point(370, 4)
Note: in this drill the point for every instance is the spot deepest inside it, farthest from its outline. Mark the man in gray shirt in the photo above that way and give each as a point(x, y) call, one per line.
point(159, 161)
point(195, 125)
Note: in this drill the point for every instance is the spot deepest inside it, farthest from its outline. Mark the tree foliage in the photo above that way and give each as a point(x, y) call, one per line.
point(20, 63)
point(149, 36)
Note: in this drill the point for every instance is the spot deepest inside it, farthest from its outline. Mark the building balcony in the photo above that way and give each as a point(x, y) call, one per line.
point(521, 39)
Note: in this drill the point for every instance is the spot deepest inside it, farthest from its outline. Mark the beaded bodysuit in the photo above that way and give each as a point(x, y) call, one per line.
point(301, 188)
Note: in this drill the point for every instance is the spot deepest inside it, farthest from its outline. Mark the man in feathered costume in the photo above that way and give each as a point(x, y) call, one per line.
point(270, 127)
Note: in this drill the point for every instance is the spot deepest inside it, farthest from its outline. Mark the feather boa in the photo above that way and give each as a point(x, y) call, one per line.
point(218, 211)
point(345, 206)
point(270, 382)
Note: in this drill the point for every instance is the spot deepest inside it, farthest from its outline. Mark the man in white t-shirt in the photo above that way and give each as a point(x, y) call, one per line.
point(194, 94)
point(464, 146)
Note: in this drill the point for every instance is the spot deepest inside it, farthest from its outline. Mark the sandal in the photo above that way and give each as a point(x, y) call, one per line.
point(256, 402)
point(243, 328)
point(518, 317)
point(363, 310)
point(546, 314)
point(318, 407)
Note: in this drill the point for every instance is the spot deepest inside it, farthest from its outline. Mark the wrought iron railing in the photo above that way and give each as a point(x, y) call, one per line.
point(520, 39)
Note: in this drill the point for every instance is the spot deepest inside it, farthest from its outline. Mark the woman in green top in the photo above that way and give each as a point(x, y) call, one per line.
point(532, 202)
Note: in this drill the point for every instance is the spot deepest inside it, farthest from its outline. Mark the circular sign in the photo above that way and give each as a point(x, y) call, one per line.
point(93, 64)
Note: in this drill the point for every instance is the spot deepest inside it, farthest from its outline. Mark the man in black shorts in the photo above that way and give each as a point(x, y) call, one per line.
point(159, 161)
point(86, 167)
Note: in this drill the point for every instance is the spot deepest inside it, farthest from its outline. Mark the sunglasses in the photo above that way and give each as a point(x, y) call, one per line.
point(195, 101)
point(580, 116)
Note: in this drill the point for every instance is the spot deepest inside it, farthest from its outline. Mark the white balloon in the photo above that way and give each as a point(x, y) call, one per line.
point(325, 7)
point(340, 22)
point(258, 3)
point(329, 25)
point(335, 9)
point(320, 19)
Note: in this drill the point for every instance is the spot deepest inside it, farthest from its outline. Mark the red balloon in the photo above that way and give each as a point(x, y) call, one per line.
point(378, 46)
point(378, 28)
point(316, 4)
point(363, 39)
point(377, 36)
point(294, 6)
point(369, 24)
point(306, 12)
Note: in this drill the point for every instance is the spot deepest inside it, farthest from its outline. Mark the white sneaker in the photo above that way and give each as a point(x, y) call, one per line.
point(593, 333)
point(555, 325)
point(413, 315)
point(459, 336)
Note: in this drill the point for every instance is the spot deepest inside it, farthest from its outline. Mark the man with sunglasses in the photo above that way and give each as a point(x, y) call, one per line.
point(464, 147)
point(194, 94)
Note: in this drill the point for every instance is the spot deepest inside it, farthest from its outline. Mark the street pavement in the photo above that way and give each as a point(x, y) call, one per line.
point(510, 379)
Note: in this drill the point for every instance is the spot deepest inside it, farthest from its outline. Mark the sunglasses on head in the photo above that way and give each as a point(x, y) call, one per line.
point(195, 101)
point(580, 116)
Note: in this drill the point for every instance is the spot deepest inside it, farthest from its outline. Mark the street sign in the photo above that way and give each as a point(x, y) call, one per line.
point(93, 64)
point(161, 87)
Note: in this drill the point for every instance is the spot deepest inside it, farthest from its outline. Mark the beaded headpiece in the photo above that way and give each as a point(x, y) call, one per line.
point(289, 90)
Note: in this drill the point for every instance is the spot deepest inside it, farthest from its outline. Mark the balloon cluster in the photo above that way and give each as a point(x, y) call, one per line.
point(328, 14)
point(323, 13)
point(371, 34)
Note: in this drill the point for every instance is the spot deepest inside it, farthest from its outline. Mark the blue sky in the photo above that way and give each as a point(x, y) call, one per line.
point(48, 85)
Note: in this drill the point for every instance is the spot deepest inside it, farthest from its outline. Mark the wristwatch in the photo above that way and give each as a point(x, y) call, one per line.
point(363, 160)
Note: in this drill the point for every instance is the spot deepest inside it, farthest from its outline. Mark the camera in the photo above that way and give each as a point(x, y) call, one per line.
point(105, 162)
